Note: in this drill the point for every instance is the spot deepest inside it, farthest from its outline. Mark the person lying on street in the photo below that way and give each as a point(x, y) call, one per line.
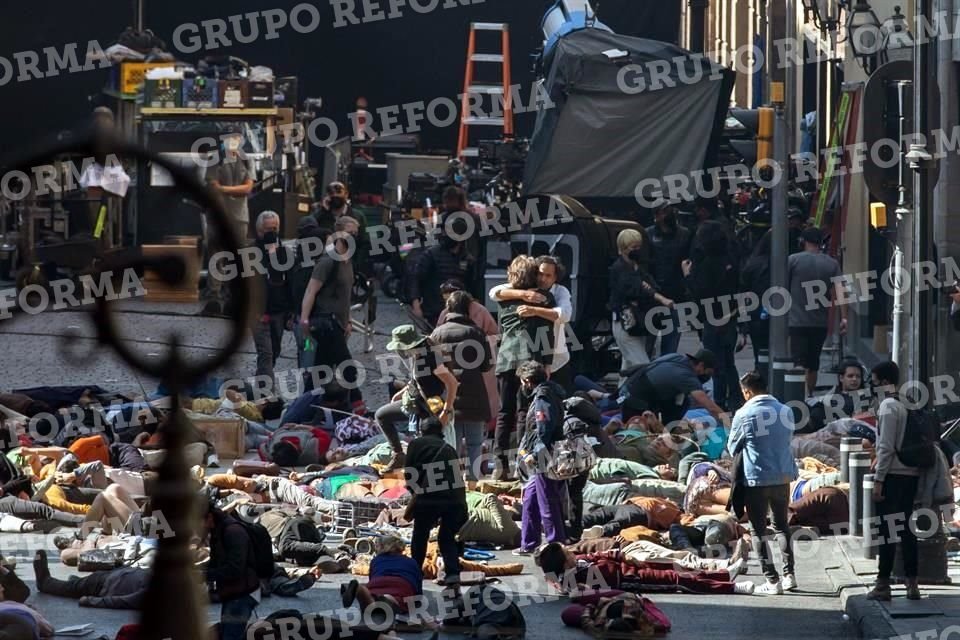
point(122, 588)
point(395, 579)
point(612, 570)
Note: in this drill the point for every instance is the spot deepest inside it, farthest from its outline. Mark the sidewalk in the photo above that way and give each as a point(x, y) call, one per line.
point(936, 615)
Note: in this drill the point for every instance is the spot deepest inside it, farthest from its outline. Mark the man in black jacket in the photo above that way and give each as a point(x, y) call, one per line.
point(435, 479)
point(231, 573)
point(669, 247)
point(449, 259)
point(275, 302)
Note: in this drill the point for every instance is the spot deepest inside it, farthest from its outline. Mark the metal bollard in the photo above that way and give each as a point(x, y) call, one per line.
point(859, 464)
point(763, 361)
point(778, 369)
point(870, 534)
point(848, 446)
point(794, 385)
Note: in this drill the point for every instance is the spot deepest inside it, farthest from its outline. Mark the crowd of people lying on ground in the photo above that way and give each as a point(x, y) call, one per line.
point(651, 487)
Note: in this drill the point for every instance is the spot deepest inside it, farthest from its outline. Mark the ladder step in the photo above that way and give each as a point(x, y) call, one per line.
point(486, 57)
point(471, 152)
point(485, 88)
point(497, 122)
point(489, 26)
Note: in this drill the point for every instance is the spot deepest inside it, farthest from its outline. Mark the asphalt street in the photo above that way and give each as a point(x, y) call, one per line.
point(811, 612)
point(36, 352)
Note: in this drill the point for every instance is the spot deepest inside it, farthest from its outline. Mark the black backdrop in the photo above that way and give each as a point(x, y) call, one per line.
point(416, 57)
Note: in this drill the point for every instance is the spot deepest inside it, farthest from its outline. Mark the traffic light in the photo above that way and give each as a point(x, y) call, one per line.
point(753, 140)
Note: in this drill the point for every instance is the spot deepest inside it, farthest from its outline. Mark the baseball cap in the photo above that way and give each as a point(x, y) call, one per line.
point(706, 357)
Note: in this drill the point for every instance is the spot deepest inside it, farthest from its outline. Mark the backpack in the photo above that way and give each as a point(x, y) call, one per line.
point(262, 547)
point(574, 455)
point(920, 437)
point(495, 615)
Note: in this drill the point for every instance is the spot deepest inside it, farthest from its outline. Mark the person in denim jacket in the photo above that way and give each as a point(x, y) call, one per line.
point(762, 430)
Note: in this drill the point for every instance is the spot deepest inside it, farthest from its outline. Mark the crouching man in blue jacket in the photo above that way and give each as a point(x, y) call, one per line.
point(762, 430)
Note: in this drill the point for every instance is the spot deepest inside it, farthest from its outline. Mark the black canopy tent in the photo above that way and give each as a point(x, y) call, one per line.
point(600, 140)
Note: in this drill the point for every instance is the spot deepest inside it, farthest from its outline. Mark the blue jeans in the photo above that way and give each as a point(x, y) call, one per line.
point(722, 341)
point(234, 616)
point(257, 434)
point(473, 433)
point(583, 383)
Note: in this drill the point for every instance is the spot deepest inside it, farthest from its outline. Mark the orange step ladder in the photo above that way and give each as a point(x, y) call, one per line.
point(467, 119)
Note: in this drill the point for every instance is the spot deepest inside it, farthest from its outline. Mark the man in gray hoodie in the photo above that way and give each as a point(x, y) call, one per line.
point(895, 486)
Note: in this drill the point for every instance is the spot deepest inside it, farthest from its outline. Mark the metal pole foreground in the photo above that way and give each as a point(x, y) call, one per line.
point(778, 371)
point(763, 361)
point(848, 446)
point(859, 464)
point(870, 534)
point(794, 386)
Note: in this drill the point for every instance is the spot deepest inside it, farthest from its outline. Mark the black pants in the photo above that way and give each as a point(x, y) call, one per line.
point(575, 488)
point(29, 510)
point(508, 384)
point(760, 339)
point(614, 519)
point(564, 377)
point(452, 517)
point(776, 499)
point(301, 542)
point(267, 338)
point(332, 352)
point(389, 417)
point(896, 509)
point(76, 588)
point(13, 587)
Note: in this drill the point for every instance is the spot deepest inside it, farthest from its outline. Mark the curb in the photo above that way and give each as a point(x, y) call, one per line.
point(870, 618)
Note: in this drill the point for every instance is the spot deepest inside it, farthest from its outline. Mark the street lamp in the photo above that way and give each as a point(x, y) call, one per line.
point(865, 34)
point(897, 40)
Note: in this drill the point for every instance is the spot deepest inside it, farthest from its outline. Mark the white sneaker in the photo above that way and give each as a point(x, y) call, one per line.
point(592, 533)
point(789, 582)
point(770, 589)
point(736, 568)
point(744, 588)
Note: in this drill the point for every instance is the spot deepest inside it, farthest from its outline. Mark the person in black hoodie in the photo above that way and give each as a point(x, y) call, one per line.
point(755, 279)
point(275, 305)
point(231, 573)
point(633, 295)
point(669, 247)
point(448, 259)
point(712, 280)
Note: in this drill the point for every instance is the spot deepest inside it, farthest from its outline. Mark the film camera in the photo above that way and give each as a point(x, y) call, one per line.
point(507, 156)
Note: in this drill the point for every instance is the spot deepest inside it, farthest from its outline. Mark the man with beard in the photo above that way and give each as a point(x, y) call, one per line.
point(666, 385)
point(669, 247)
